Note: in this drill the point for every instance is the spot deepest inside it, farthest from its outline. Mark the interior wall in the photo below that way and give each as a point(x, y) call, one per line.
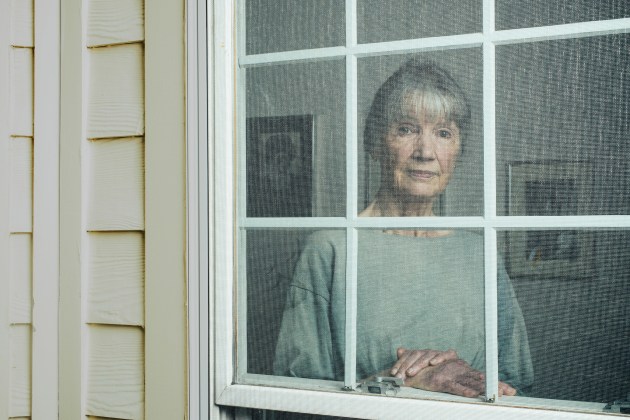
point(566, 102)
point(578, 327)
point(317, 90)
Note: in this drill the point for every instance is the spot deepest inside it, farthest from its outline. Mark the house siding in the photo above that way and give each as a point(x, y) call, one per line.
point(90, 258)
point(16, 211)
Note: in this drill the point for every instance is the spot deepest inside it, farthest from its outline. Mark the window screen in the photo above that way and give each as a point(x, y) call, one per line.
point(521, 14)
point(283, 25)
point(437, 185)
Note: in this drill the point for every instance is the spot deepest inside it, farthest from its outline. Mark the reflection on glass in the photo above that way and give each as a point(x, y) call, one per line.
point(380, 21)
point(552, 245)
point(577, 319)
point(285, 25)
point(422, 133)
point(280, 166)
point(551, 198)
point(520, 14)
point(295, 140)
point(562, 127)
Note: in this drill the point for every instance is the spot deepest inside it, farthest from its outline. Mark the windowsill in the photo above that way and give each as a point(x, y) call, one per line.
point(266, 383)
point(549, 404)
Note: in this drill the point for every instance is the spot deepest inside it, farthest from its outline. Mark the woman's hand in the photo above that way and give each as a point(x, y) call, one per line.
point(410, 362)
point(454, 377)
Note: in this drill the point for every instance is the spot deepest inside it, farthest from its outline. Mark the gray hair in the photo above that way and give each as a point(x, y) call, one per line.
point(440, 96)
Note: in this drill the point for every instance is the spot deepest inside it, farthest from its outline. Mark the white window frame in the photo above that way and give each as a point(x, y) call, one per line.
point(212, 231)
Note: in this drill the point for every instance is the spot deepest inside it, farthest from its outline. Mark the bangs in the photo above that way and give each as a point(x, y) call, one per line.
point(433, 105)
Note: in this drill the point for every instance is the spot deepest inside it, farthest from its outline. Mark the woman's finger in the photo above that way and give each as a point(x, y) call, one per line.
point(410, 362)
point(406, 361)
point(400, 353)
point(457, 388)
point(423, 361)
point(443, 356)
point(506, 389)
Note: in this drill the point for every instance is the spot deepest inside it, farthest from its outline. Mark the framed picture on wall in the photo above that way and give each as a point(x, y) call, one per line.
point(550, 188)
point(280, 166)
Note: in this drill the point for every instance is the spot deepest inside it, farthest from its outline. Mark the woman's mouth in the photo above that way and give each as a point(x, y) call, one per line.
point(421, 174)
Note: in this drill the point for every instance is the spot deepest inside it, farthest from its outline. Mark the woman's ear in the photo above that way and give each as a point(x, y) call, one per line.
point(376, 152)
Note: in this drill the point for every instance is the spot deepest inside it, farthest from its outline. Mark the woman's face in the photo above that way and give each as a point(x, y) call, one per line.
point(419, 153)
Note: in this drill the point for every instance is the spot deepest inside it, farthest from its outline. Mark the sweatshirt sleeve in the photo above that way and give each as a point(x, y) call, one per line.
point(515, 364)
point(305, 345)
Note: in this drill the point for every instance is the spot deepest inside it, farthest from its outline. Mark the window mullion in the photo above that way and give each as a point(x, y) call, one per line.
point(490, 289)
point(352, 183)
point(490, 211)
point(351, 23)
point(566, 31)
point(350, 367)
point(350, 371)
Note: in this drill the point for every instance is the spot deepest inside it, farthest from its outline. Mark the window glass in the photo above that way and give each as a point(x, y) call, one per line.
point(557, 119)
point(463, 193)
point(271, 259)
point(519, 14)
point(573, 289)
point(284, 25)
point(296, 303)
point(296, 141)
point(380, 21)
point(562, 127)
point(420, 293)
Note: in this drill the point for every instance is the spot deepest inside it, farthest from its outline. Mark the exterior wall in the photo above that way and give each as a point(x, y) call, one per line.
point(112, 173)
point(92, 214)
point(122, 295)
point(16, 207)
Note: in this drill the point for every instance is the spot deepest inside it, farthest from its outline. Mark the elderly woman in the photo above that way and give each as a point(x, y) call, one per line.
point(420, 292)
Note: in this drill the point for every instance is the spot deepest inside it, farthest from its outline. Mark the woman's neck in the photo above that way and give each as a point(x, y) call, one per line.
point(387, 204)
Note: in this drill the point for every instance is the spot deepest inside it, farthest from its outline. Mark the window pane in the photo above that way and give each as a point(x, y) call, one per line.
point(296, 303)
point(435, 87)
point(284, 25)
point(520, 14)
point(380, 21)
point(424, 291)
point(563, 117)
point(296, 140)
point(419, 290)
point(573, 288)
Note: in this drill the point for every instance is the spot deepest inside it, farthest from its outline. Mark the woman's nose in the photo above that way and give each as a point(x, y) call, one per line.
point(423, 147)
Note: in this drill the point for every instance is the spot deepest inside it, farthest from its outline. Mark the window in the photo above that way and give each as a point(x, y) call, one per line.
point(528, 201)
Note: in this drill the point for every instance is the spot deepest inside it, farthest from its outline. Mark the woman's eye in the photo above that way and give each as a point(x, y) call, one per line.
point(405, 130)
point(445, 134)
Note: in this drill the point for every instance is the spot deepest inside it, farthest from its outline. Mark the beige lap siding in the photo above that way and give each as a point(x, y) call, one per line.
point(16, 213)
point(116, 278)
point(73, 300)
point(113, 187)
